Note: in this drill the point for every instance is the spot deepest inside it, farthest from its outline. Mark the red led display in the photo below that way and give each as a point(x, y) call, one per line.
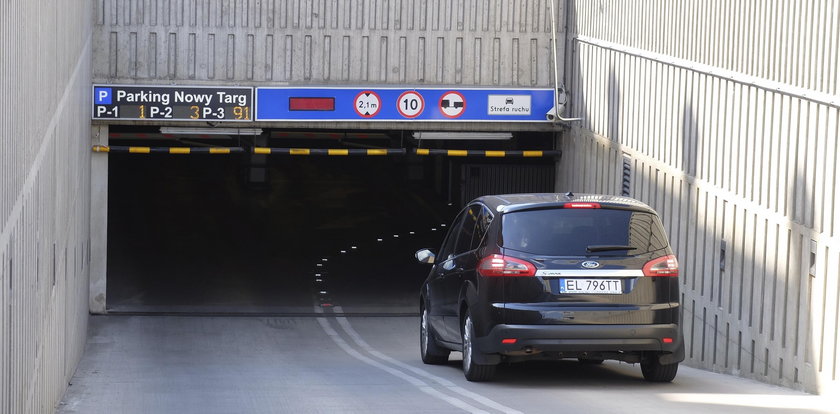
point(312, 104)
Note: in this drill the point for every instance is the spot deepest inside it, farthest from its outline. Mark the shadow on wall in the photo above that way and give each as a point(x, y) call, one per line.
point(688, 151)
point(747, 292)
point(614, 107)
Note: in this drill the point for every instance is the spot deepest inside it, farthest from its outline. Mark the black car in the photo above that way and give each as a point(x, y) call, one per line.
point(553, 276)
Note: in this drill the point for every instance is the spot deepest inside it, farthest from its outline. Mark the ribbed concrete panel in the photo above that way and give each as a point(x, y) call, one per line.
point(790, 42)
point(744, 172)
point(44, 199)
point(441, 42)
point(482, 179)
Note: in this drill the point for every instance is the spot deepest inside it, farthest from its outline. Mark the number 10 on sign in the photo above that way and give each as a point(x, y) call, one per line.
point(410, 104)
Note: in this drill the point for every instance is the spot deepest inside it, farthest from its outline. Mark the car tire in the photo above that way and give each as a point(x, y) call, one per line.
point(654, 371)
point(473, 371)
point(430, 352)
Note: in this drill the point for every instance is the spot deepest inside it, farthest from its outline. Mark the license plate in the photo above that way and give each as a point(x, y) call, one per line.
point(591, 286)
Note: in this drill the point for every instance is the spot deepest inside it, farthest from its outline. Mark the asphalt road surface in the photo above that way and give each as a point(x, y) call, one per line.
point(327, 363)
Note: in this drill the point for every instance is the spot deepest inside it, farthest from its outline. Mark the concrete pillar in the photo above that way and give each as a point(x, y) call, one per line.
point(98, 221)
point(258, 164)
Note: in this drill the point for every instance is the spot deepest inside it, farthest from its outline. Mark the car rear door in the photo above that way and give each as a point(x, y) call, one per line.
point(590, 267)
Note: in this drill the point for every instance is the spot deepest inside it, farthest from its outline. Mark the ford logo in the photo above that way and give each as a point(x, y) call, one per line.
point(590, 264)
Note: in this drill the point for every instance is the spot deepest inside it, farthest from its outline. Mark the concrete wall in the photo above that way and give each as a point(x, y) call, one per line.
point(726, 114)
point(256, 42)
point(45, 76)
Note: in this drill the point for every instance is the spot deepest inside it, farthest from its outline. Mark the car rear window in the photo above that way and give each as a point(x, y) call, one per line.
point(568, 232)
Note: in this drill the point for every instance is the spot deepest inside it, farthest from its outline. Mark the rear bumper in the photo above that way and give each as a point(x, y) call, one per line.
point(585, 338)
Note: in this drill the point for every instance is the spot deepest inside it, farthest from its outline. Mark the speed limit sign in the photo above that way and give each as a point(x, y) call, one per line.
point(410, 104)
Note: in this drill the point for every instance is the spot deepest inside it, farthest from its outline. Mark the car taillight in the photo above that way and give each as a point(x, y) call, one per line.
point(499, 265)
point(582, 205)
point(662, 266)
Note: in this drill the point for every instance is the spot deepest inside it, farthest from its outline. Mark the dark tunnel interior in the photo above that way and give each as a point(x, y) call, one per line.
point(192, 233)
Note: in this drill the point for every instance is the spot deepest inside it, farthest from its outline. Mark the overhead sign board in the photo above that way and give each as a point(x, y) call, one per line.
point(403, 104)
point(245, 104)
point(173, 103)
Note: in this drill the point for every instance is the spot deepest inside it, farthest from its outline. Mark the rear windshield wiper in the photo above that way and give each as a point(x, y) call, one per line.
point(607, 247)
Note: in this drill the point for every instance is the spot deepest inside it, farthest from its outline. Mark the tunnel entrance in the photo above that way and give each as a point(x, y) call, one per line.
point(199, 233)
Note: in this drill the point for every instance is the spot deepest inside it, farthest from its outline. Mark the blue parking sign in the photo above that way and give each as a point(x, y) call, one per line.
point(102, 96)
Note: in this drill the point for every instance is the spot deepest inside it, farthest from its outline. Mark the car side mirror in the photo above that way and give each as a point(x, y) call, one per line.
point(425, 256)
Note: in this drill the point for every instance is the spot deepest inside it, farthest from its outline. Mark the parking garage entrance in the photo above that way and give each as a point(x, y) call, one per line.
point(291, 231)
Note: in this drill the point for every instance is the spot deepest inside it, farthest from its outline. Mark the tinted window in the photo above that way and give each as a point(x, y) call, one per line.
point(448, 248)
point(483, 223)
point(467, 229)
point(568, 232)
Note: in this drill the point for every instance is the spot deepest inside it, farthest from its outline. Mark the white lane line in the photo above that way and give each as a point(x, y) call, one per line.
point(421, 385)
point(357, 338)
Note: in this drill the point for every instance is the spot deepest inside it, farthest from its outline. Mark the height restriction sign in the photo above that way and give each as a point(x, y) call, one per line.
point(367, 104)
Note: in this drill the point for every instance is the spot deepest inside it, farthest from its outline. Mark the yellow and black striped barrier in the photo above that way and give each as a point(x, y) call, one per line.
point(167, 150)
point(488, 153)
point(328, 151)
